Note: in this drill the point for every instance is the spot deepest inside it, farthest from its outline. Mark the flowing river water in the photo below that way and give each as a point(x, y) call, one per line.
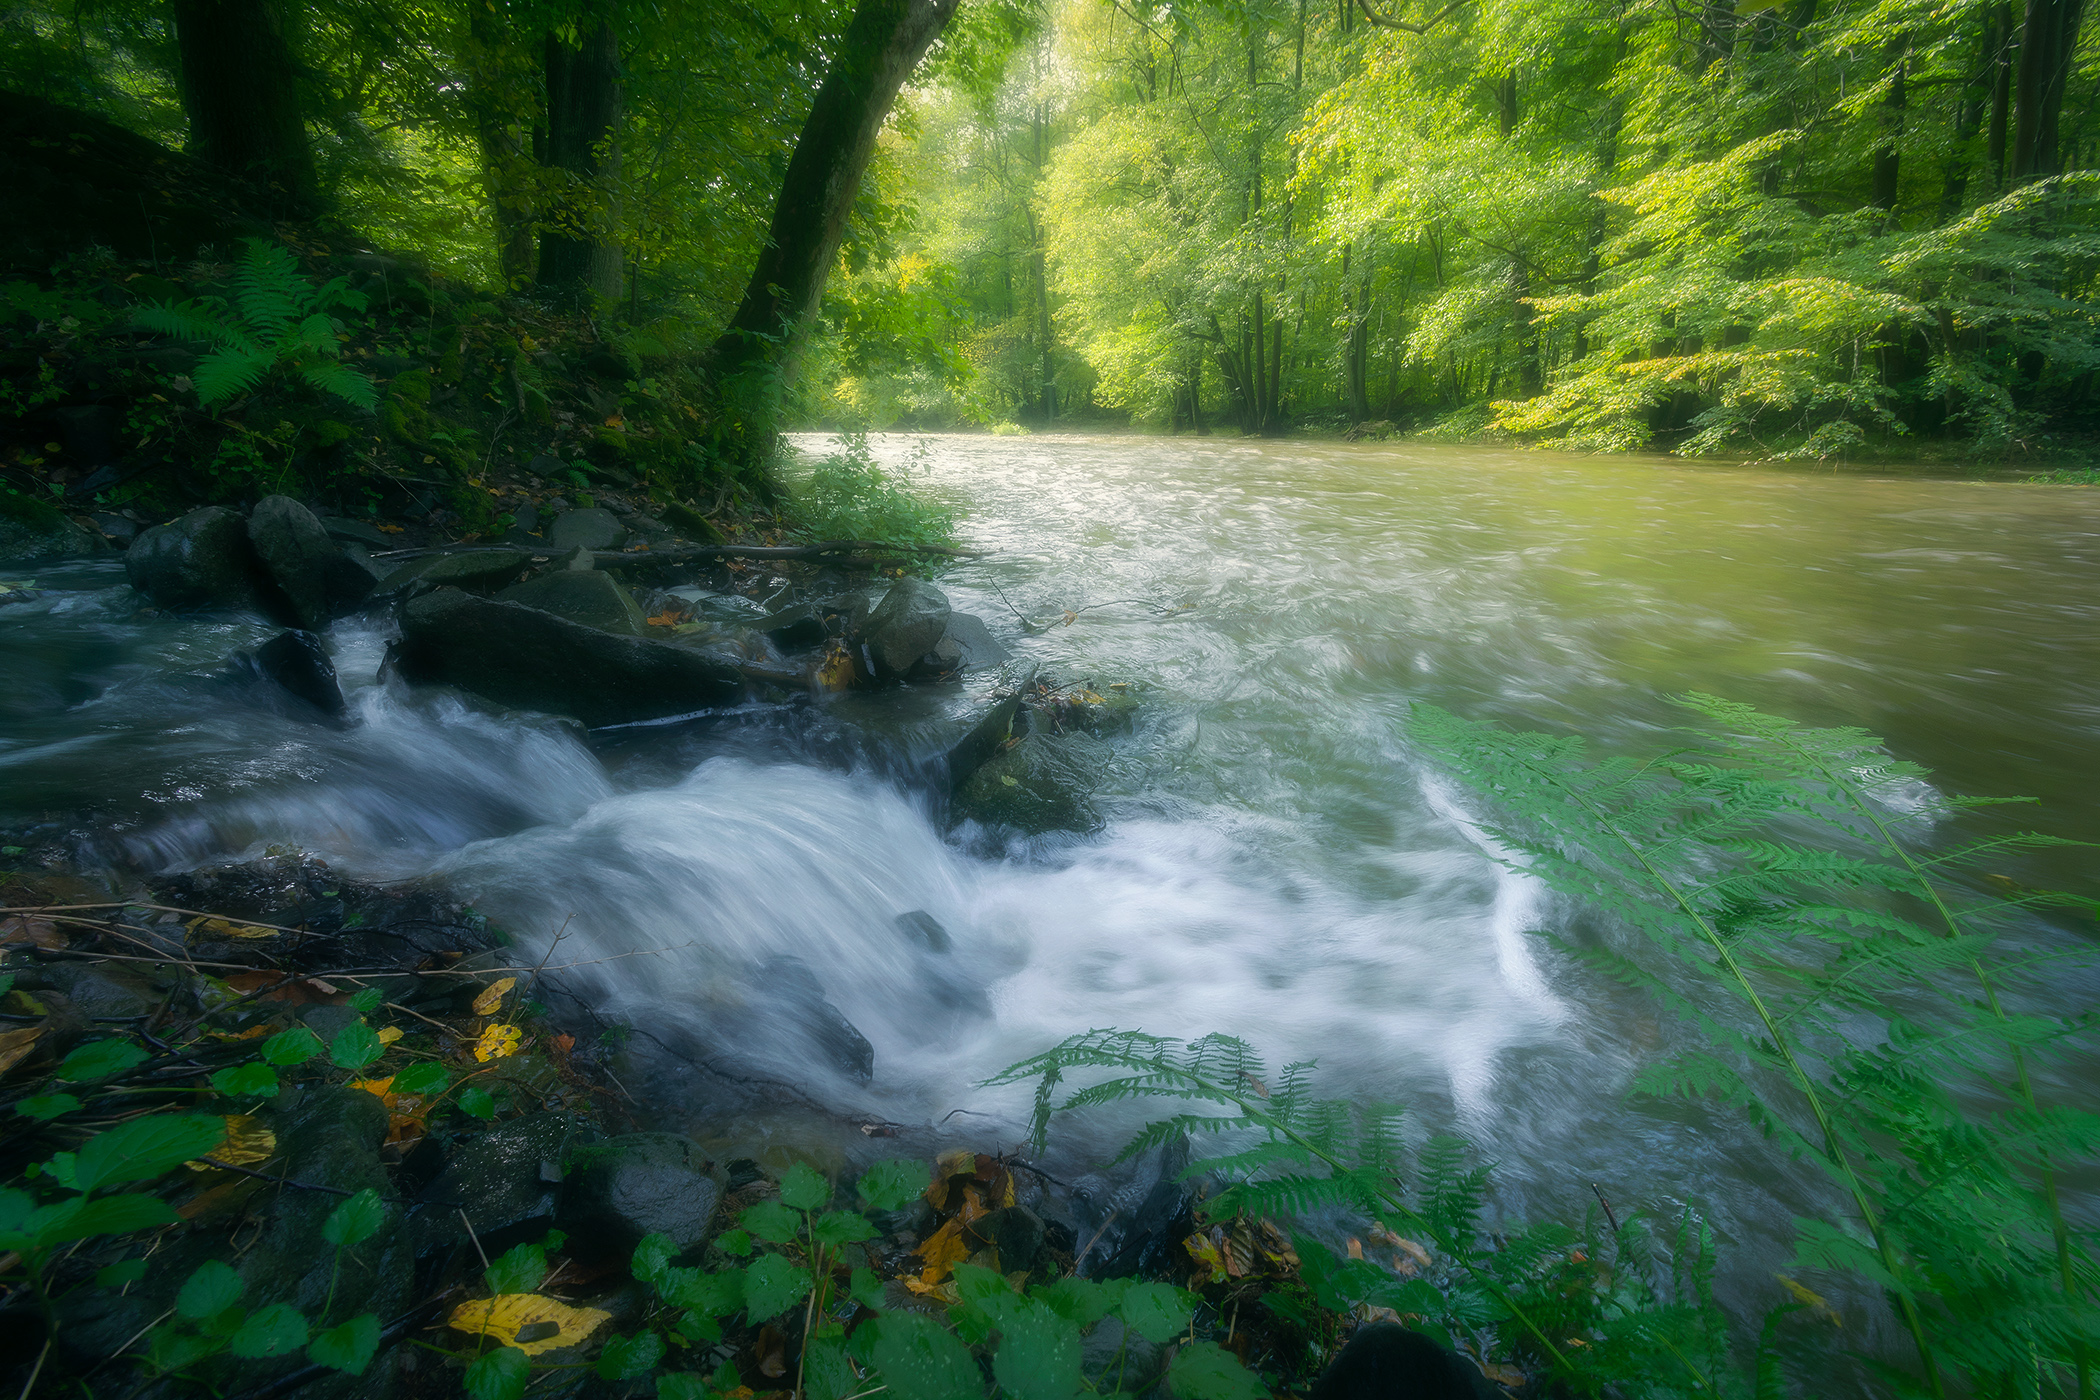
point(1277, 862)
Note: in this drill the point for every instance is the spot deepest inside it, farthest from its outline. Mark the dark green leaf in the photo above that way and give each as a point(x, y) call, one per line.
point(624, 1358)
point(293, 1047)
point(117, 1275)
point(989, 1293)
point(347, 1348)
point(145, 1147)
point(682, 1385)
point(1206, 1371)
point(917, 1357)
point(355, 1220)
point(1039, 1354)
point(710, 1295)
point(893, 1184)
point(274, 1330)
point(249, 1081)
point(355, 1046)
point(826, 1374)
point(1076, 1299)
point(477, 1102)
point(836, 1227)
point(651, 1257)
point(519, 1269)
point(804, 1188)
point(365, 1002)
point(771, 1286)
point(737, 1242)
point(99, 1060)
point(499, 1375)
point(211, 1290)
point(428, 1077)
point(83, 1219)
point(45, 1107)
point(772, 1222)
point(866, 1290)
point(1157, 1312)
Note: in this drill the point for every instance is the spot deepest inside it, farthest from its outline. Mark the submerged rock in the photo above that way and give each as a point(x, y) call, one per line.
point(203, 560)
point(635, 1185)
point(905, 625)
point(797, 998)
point(1039, 784)
point(532, 660)
point(304, 561)
point(581, 595)
point(985, 739)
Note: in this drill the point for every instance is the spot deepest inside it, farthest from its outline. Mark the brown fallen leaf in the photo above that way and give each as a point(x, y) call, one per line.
point(246, 1142)
point(504, 1316)
point(492, 996)
point(23, 929)
point(16, 1045)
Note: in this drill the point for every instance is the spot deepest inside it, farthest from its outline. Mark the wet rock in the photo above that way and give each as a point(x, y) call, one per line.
point(904, 626)
point(581, 595)
point(635, 1185)
point(306, 565)
point(1015, 1232)
point(1039, 784)
point(1385, 1361)
point(203, 560)
point(520, 656)
point(342, 528)
point(525, 518)
point(591, 528)
point(795, 628)
point(508, 1180)
point(117, 529)
point(356, 554)
point(31, 530)
point(923, 929)
point(330, 1137)
point(711, 606)
point(968, 644)
point(106, 992)
point(791, 991)
point(1149, 1237)
point(479, 569)
point(297, 662)
point(985, 739)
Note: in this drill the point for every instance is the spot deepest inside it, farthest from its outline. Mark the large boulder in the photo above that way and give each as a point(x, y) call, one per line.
point(533, 660)
point(905, 625)
point(203, 560)
point(1039, 784)
point(588, 528)
point(636, 1185)
point(476, 569)
point(304, 561)
point(581, 595)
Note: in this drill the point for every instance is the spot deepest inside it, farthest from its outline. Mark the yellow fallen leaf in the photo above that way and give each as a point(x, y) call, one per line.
point(246, 1141)
point(249, 1034)
point(226, 928)
point(382, 1087)
point(15, 1046)
point(943, 1291)
point(505, 1315)
point(943, 1250)
point(492, 997)
point(389, 1034)
point(1812, 1300)
point(498, 1041)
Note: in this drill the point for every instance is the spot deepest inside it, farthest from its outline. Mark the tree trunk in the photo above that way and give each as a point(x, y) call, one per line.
point(1888, 156)
point(2048, 44)
point(495, 96)
point(2001, 90)
point(1041, 134)
point(1968, 120)
point(240, 91)
point(883, 44)
point(579, 250)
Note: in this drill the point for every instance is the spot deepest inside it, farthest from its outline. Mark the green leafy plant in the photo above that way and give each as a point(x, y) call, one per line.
point(277, 321)
point(1853, 1003)
point(848, 495)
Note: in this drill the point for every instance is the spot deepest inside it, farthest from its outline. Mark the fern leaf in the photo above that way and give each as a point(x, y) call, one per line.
point(226, 374)
point(340, 380)
point(194, 321)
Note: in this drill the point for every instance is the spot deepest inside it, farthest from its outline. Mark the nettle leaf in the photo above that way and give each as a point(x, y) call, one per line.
point(990, 1293)
point(1039, 1355)
point(1158, 1312)
point(249, 1081)
point(652, 1257)
point(520, 1269)
point(498, 1375)
point(426, 1078)
point(82, 1219)
point(477, 1102)
point(771, 1286)
point(826, 1374)
point(355, 1046)
point(273, 1330)
point(1076, 1299)
point(45, 1107)
point(1206, 1371)
point(347, 1348)
point(625, 1358)
point(804, 1188)
point(211, 1290)
point(682, 1385)
point(893, 1184)
point(772, 1222)
point(836, 1227)
point(918, 1357)
point(355, 1220)
point(99, 1060)
point(293, 1047)
point(709, 1295)
point(737, 1242)
point(866, 1290)
point(143, 1148)
point(367, 1001)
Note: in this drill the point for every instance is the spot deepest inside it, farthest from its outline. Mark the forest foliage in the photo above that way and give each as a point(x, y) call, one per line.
point(1787, 227)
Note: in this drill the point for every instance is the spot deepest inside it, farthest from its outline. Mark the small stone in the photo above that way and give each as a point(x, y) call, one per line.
point(495, 1179)
point(1037, 785)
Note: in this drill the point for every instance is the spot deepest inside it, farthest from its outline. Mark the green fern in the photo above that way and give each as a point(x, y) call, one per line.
point(1765, 876)
point(276, 320)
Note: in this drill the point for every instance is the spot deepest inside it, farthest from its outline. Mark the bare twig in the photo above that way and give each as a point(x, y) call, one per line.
point(474, 1237)
point(1080, 1258)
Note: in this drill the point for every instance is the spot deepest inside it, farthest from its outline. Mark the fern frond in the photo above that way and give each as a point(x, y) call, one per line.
point(197, 322)
point(340, 380)
point(226, 374)
point(267, 289)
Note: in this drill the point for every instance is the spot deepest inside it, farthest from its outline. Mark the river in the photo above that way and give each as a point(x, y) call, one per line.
point(1276, 863)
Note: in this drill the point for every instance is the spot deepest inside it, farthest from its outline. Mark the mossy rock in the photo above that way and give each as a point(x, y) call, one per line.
point(1038, 784)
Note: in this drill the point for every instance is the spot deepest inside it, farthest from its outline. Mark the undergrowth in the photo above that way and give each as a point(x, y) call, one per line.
point(848, 495)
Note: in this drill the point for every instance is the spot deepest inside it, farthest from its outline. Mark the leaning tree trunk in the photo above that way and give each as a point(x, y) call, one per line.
point(241, 95)
point(2048, 46)
point(579, 250)
point(882, 45)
